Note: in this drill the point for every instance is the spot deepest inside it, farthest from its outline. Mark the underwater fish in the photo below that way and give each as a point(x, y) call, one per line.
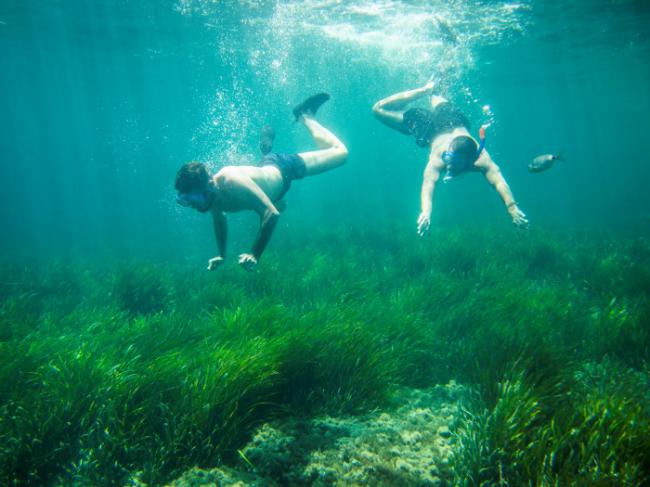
point(543, 162)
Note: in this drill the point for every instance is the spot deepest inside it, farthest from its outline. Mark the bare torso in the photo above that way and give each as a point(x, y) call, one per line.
point(232, 196)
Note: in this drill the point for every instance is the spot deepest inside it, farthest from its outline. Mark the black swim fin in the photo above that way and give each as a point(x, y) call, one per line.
point(267, 136)
point(310, 105)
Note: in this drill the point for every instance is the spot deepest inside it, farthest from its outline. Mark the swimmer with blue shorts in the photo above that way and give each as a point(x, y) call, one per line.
point(258, 188)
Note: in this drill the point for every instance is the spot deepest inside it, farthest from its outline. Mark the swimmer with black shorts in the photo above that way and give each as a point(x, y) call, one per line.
point(445, 131)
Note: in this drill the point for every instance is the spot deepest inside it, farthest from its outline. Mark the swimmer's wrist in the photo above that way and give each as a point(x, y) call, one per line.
point(511, 204)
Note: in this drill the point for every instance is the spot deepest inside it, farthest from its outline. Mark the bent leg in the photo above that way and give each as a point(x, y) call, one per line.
point(390, 110)
point(332, 153)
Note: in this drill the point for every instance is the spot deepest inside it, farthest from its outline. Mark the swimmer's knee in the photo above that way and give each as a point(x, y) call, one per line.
point(343, 153)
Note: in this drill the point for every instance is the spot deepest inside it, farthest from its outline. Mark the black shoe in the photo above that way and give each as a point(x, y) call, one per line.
point(310, 105)
point(266, 139)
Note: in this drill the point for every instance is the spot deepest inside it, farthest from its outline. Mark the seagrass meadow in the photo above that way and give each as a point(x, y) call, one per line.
point(357, 352)
point(121, 367)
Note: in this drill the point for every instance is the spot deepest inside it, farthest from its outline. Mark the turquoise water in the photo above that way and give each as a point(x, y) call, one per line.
point(103, 101)
point(124, 362)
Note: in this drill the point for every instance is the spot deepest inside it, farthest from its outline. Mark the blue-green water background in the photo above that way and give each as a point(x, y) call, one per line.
point(102, 101)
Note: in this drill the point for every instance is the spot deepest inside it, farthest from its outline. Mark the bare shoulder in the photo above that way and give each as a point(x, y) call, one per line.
point(485, 163)
point(226, 176)
point(228, 171)
point(440, 144)
point(435, 159)
point(235, 172)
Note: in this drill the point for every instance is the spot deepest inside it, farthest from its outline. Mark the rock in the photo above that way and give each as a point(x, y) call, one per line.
point(409, 445)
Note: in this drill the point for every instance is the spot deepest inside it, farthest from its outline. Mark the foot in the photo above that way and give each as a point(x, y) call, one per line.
point(310, 105)
point(267, 137)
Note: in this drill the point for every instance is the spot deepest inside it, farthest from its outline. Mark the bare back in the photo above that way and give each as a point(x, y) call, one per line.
point(234, 183)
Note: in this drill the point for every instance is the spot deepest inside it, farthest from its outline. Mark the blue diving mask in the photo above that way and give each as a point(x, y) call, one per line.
point(200, 200)
point(455, 163)
point(448, 157)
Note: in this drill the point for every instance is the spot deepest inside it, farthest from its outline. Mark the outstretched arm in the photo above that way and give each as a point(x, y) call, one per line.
point(251, 196)
point(495, 178)
point(431, 176)
point(390, 109)
point(220, 225)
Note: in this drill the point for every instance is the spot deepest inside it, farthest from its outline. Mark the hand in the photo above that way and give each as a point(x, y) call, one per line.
point(424, 221)
point(247, 261)
point(215, 262)
point(429, 87)
point(518, 217)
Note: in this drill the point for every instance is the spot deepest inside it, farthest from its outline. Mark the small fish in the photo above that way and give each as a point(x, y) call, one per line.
point(543, 162)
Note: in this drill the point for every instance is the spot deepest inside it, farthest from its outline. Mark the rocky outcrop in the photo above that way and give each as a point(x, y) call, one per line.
point(407, 446)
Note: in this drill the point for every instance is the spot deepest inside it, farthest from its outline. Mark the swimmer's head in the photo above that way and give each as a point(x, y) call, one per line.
point(192, 184)
point(461, 155)
point(193, 176)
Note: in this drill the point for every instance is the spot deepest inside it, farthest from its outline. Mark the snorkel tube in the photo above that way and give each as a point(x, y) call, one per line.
point(481, 137)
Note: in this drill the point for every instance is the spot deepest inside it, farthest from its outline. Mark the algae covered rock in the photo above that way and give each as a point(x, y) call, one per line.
point(407, 446)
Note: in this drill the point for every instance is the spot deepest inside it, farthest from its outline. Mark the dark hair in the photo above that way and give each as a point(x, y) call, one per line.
point(464, 146)
point(465, 149)
point(192, 176)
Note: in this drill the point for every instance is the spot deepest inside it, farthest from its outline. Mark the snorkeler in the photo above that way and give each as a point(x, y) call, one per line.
point(444, 130)
point(258, 188)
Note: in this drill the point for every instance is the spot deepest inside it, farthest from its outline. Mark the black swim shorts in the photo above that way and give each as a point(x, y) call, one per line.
point(427, 124)
point(291, 166)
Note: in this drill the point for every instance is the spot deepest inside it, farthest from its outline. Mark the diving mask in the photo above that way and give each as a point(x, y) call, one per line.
point(201, 200)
